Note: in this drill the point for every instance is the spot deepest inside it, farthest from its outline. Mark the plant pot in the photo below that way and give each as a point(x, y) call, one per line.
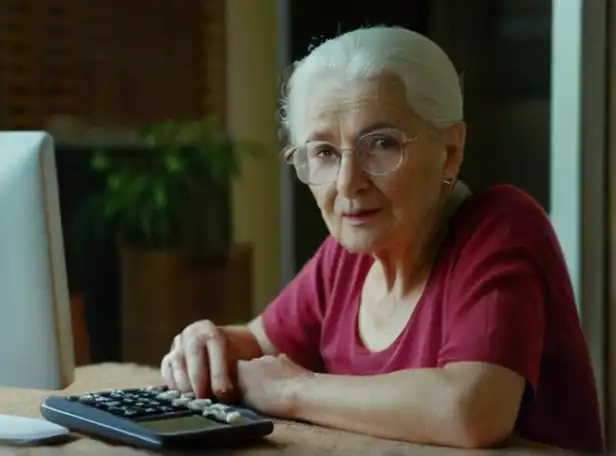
point(164, 291)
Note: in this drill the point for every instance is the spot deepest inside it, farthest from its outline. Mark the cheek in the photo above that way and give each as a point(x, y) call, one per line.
point(324, 196)
point(413, 190)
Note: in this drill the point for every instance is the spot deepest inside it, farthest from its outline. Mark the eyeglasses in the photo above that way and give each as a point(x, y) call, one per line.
point(378, 153)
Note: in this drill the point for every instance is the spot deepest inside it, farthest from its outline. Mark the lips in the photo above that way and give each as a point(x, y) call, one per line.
point(360, 217)
point(361, 213)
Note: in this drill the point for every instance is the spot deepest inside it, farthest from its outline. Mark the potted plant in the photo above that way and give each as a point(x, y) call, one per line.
point(166, 199)
point(168, 191)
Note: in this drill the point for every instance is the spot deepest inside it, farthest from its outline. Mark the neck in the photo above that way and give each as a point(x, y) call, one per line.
point(405, 266)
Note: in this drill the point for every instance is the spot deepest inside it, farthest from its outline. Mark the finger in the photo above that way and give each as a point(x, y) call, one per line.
point(219, 375)
point(197, 365)
point(180, 372)
point(176, 344)
point(166, 372)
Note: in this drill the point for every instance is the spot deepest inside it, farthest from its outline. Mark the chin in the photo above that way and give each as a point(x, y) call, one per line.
point(361, 243)
point(362, 239)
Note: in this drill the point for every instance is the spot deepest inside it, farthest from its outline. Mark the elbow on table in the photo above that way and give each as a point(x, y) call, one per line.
point(476, 436)
point(477, 431)
point(461, 426)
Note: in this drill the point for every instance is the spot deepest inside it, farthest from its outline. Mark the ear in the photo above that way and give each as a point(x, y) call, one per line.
point(455, 139)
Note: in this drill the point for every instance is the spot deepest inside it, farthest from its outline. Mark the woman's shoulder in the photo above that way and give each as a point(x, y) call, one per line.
point(504, 208)
point(499, 200)
point(501, 217)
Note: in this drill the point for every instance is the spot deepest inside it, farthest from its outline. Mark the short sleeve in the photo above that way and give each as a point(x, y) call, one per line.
point(293, 321)
point(495, 310)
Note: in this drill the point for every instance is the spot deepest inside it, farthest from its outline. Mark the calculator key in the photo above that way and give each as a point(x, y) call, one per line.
point(223, 414)
point(87, 399)
point(171, 394)
point(180, 407)
point(199, 404)
point(234, 417)
point(151, 403)
point(154, 389)
point(181, 401)
point(221, 407)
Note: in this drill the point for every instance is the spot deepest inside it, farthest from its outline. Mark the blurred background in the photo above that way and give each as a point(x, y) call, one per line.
point(176, 205)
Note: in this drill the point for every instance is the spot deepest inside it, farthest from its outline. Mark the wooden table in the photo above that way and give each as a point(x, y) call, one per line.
point(288, 438)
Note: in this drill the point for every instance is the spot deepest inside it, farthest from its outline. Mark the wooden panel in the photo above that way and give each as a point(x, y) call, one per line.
point(116, 61)
point(215, 61)
point(163, 292)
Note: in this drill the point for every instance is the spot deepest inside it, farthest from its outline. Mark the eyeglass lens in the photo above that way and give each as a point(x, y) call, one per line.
point(377, 153)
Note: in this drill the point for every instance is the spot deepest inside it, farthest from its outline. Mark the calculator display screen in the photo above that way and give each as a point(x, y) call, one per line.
point(179, 425)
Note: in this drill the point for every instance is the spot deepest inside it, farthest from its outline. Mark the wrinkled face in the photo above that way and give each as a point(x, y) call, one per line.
point(370, 213)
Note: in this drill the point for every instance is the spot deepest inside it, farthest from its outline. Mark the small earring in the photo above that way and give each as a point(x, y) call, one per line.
point(448, 181)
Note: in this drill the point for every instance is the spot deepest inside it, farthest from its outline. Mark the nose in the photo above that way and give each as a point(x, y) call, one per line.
point(351, 177)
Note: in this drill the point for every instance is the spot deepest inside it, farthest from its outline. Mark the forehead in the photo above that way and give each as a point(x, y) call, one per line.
point(335, 107)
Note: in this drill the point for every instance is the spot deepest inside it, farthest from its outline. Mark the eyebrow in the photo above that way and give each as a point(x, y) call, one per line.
point(374, 127)
point(364, 131)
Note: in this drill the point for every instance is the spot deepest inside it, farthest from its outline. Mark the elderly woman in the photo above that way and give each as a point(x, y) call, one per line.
point(430, 315)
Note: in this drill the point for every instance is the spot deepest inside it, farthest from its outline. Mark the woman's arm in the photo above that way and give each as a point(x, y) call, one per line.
point(466, 404)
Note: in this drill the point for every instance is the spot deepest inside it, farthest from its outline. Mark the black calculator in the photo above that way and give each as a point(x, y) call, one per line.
point(156, 417)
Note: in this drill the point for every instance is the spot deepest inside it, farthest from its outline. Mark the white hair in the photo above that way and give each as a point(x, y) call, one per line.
point(432, 84)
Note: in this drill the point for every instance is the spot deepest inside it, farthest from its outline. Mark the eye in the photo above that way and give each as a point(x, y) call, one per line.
point(323, 151)
point(384, 143)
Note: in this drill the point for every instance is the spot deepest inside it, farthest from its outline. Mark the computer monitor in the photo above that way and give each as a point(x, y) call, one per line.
point(36, 341)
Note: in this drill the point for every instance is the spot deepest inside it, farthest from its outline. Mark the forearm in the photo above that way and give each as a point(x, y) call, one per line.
point(418, 406)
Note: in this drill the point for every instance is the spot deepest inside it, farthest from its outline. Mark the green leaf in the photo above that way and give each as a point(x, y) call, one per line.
point(160, 197)
point(152, 196)
point(173, 163)
point(114, 182)
point(100, 161)
point(146, 224)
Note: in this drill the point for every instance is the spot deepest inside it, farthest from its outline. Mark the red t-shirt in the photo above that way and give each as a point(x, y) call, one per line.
point(499, 292)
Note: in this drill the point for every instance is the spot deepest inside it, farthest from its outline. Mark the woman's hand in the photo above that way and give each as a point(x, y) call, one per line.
point(269, 384)
point(203, 356)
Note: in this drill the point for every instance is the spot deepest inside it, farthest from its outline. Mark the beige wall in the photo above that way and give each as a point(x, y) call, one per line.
point(251, 104)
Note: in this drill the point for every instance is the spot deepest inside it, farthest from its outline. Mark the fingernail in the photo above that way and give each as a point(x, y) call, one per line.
point(224, 391)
